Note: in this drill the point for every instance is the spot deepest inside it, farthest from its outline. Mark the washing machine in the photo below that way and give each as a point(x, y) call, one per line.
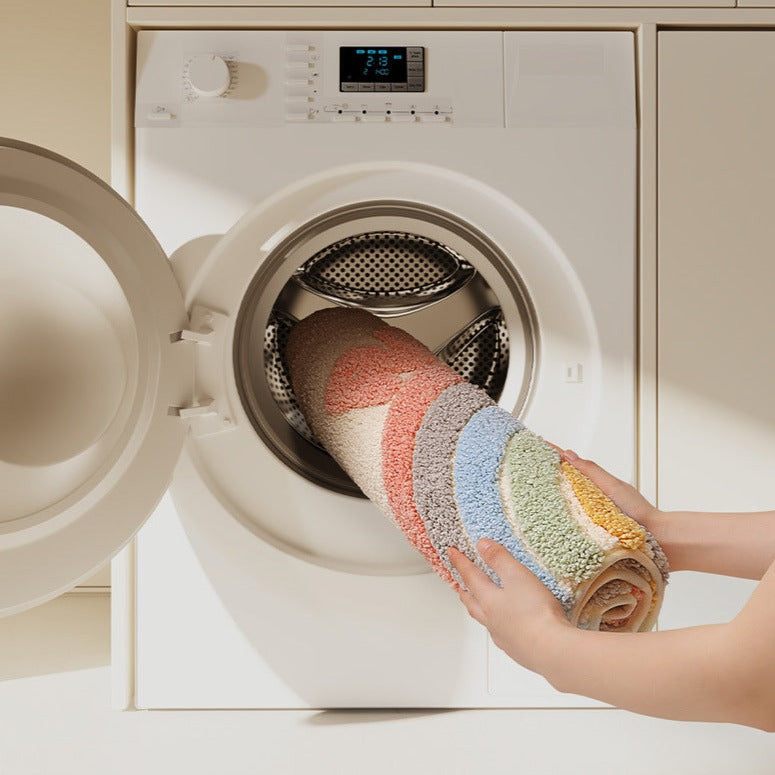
point(477, 188)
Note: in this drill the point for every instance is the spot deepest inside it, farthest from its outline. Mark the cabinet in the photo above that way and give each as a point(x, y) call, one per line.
point(597, 3)
point(716, 285)
point(281, 3)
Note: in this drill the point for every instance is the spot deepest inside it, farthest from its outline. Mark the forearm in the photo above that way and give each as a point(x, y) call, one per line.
point(729, 544)
point(687, 674)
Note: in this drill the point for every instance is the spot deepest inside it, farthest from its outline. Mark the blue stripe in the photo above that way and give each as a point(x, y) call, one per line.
point(478, 458)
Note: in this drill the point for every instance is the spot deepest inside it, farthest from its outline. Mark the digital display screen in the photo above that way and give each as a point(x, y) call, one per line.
point(378, 65)
point(389, 68)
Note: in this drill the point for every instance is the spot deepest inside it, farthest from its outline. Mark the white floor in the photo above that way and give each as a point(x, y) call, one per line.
point(54, 718)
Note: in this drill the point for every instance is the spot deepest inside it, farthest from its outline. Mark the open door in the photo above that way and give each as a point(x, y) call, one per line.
point(90, 374)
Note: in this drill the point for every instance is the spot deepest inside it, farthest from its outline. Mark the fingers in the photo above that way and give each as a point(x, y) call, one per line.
point(473, 607)
point(499, 559)
point(475, 580)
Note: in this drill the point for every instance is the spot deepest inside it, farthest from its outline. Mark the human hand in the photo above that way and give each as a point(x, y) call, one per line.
point(624, 495)
point(523, 617)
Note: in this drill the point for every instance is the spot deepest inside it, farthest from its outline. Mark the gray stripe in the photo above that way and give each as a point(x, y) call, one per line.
point(659, 556)
point(434, 453)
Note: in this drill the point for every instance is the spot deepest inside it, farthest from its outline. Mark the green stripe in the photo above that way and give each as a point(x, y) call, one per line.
point(548, 530)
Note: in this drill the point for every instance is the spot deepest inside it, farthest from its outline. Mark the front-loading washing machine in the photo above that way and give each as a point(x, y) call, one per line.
point(478, 188)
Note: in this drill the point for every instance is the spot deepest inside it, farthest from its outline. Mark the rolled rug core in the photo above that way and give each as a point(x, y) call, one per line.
point(449, 467)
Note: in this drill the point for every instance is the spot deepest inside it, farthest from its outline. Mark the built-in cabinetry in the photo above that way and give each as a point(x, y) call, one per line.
point(716, 284)
point(464, 3)
point(588, 3)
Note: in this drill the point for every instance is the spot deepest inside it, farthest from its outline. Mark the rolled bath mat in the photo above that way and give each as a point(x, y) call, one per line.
point(450, 467)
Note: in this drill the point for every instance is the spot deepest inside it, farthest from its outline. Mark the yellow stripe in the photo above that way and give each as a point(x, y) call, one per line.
point(603, 511)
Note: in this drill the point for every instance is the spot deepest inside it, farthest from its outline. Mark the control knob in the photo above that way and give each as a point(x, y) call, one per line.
point(208, 75)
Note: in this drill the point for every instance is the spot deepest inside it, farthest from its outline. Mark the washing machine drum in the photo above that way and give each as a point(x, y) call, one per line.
point(422, 284)
point(108, 365)
point(392, 273)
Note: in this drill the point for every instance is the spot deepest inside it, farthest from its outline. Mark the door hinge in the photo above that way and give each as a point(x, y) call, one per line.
point(208, 411)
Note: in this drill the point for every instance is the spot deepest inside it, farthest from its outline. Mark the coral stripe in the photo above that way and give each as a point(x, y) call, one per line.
point(370, 375)
point(405, 416)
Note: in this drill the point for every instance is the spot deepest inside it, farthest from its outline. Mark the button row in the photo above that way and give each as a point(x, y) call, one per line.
point(388, 109)
point(301, 77)
point(396, 119)
point(413, 84)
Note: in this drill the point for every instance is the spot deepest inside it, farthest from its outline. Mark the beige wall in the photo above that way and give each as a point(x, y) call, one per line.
point(55, 84)
point(55, 77)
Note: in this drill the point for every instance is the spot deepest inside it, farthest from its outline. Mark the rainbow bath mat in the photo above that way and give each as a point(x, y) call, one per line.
point(450, 467)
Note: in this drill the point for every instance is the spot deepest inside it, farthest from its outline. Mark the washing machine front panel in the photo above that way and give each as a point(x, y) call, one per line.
point(293, 593)
point(88, 374)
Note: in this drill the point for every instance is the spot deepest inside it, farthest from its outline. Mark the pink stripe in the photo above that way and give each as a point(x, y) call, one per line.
point(405, 416)
point(370, 375)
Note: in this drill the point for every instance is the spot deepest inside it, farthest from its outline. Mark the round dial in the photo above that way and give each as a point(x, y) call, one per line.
point(208, 75)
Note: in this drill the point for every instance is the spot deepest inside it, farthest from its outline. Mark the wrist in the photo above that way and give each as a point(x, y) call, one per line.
point(657, 522)
point(553, 644)
point(652, 519)
point(667, 529)
point(560, 642)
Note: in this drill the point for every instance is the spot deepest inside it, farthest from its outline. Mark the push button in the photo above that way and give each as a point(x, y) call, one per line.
point(299, 57)
point(297, 92)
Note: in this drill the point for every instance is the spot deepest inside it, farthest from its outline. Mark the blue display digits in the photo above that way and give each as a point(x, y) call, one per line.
point(394, 68)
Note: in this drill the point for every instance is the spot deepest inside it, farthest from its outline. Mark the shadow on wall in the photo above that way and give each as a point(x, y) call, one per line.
point(71, 632)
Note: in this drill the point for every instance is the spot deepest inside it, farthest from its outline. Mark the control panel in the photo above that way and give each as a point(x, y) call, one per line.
point(254, 77)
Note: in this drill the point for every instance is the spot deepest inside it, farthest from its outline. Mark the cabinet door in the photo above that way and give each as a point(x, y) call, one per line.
point(595, 3)
point(716, 294)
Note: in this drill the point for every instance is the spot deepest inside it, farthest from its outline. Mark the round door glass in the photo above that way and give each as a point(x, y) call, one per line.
point(69, 355)
point(88, 373)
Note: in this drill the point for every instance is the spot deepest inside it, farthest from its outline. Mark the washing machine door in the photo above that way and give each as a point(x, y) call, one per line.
point(91, 373)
